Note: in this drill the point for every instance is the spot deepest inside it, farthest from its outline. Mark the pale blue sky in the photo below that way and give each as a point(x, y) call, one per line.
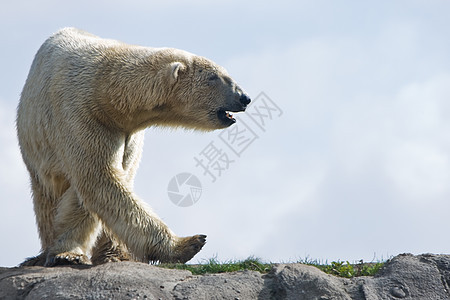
point(356, 167)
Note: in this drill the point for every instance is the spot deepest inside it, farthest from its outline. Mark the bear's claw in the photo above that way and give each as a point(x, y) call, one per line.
point(67, 258)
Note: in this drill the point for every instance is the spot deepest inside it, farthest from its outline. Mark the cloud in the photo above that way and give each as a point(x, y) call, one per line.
point(419, 172)
point(375, 115)
point(418, 161)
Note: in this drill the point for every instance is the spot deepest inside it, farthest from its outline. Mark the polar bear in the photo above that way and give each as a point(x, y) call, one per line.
point(80, 125)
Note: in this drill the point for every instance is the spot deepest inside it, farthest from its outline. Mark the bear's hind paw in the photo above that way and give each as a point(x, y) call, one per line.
point(34, 261)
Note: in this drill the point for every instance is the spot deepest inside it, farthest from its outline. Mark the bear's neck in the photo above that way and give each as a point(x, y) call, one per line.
point(135, 94)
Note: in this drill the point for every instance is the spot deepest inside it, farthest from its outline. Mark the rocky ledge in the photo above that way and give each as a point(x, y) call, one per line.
point(405, 276)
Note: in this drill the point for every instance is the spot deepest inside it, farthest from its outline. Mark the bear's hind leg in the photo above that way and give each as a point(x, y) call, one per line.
point(109, 249)
point(44, 204)
point(76, 231)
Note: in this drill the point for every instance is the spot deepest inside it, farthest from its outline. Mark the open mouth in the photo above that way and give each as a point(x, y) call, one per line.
point(226, 117)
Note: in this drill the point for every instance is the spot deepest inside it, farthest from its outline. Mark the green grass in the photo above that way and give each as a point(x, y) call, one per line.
point(348, 270)
point(337, 268)
point(213, 266)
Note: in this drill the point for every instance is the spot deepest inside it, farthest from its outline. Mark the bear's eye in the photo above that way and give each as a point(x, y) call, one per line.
point(213, 77)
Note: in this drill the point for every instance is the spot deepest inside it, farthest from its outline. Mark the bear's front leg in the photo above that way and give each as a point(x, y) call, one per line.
point(110, 249)
point(145, 235)
point(185, 248)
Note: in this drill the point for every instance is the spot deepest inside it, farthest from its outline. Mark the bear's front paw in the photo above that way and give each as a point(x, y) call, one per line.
point(67, 258)
point(187, 247)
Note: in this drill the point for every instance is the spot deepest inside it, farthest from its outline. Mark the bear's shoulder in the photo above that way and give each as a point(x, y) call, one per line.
point(74, 38)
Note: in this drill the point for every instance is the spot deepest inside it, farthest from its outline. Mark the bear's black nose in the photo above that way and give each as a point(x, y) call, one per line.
point(244, 99)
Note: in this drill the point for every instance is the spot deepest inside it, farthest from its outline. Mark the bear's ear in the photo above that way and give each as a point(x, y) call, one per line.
point(174, 69)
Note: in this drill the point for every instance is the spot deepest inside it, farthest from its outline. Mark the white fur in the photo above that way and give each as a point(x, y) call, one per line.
point(80, 120)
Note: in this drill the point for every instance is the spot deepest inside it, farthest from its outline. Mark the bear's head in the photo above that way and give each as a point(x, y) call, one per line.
point(205, 94)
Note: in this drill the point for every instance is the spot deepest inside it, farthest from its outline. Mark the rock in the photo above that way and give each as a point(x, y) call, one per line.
point(236, 285)
point(297, 281)
point(403, 277)
point(411, 277)
point(124, 280)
